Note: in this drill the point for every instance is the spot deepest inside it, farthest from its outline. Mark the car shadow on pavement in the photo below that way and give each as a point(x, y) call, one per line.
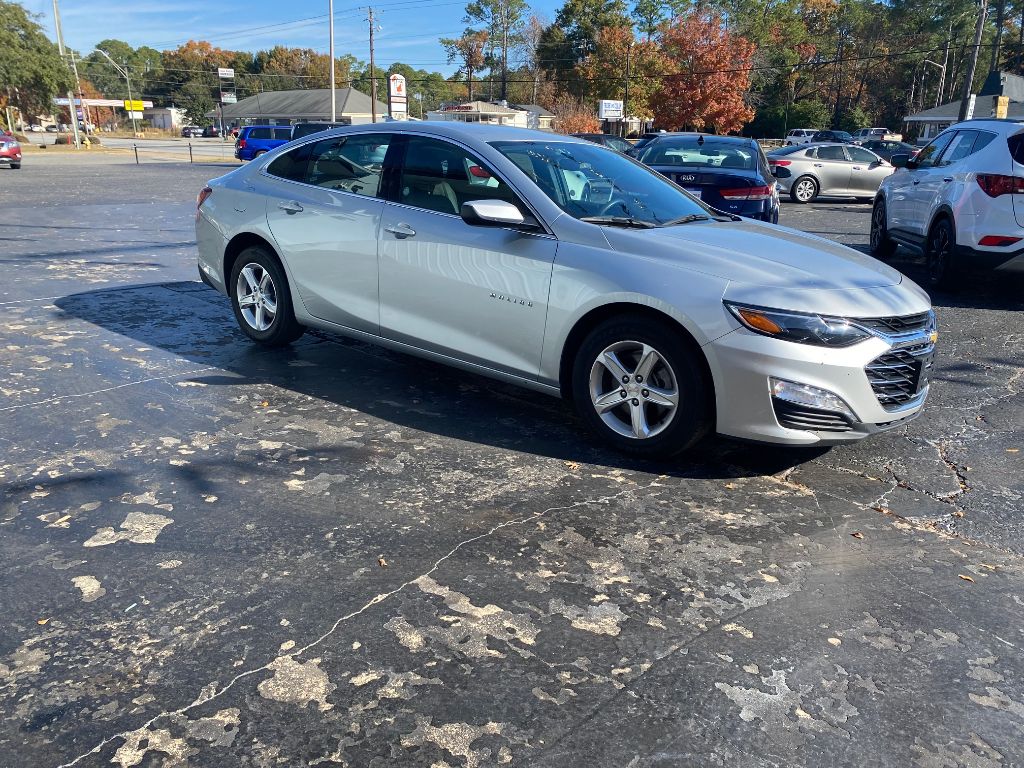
point(193, 322)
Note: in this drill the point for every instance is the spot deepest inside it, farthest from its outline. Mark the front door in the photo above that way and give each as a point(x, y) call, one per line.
point(326, 219)
point(924, 181)
point(474, 293)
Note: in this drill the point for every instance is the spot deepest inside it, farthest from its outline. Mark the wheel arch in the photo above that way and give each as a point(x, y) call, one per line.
point(943, 211)
point(239, 243)
point(590, 320)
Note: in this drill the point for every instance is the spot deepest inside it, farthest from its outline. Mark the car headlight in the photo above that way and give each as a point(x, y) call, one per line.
point(819, 330)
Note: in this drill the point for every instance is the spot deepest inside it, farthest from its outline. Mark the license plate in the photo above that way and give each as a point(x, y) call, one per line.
point(695, 191)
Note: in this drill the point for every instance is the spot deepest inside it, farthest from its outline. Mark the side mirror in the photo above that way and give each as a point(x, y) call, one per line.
point(493, 213)
point(900, 160)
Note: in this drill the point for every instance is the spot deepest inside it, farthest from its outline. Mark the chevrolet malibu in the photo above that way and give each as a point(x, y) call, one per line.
point(570, 269)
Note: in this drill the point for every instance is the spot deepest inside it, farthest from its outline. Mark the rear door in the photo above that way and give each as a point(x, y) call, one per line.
point(832, 167)
point(473, 293)
point(326, 219)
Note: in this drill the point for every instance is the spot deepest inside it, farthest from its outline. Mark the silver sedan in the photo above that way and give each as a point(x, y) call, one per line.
point(833, 170)
point(573, 270)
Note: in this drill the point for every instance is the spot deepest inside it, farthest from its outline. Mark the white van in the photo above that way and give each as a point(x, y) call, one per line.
point(800, 136)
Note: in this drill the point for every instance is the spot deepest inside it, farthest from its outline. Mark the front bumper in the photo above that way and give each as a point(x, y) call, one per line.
point(743, 363)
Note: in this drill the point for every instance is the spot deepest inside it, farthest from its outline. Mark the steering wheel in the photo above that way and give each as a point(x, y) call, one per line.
point(610, 206)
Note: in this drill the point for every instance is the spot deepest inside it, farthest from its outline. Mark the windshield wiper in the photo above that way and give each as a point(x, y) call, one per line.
point(618, 221)
point(687, 219)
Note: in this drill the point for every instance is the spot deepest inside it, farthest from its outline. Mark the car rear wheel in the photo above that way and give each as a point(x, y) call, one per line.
point(881, 246)
point(261, 300)
point(804, 190)
point(938, 255)
point(258, 154)
point(640, 387)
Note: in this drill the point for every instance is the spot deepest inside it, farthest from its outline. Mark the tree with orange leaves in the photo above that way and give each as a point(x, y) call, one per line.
point(711, 76)
point(604, 70)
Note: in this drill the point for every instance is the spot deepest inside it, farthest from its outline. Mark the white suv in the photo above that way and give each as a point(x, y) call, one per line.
point(960, 201)
point(800, 136)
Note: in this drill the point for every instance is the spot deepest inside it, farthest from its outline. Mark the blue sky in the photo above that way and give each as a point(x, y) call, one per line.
point(408, 30)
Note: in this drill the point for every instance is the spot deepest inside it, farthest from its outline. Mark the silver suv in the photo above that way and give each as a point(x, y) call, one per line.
point(570, 269)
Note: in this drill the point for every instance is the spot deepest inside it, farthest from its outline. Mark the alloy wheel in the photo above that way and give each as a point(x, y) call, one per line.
point(939, 253)
point(257, 296)
point(634, 390)
point(805, 190)
point(877, 225)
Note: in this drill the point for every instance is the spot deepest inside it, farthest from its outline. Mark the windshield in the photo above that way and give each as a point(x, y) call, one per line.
point(695, 151)
point(588, 181)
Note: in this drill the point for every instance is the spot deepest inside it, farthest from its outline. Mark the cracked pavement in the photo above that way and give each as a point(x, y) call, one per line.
point(336, 555)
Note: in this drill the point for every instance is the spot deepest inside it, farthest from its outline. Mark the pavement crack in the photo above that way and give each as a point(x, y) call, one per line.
point(206, 694)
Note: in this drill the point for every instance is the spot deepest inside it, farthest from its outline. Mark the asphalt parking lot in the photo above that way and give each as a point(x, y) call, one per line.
point(335, 555)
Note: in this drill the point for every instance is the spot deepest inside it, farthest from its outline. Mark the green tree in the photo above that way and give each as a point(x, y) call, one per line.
point(648, 15)
point(196, 99)
point(573, 36)
point(503, 20)
point(31, 72)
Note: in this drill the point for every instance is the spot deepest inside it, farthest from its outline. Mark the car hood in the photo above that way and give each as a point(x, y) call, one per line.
point(757, 254)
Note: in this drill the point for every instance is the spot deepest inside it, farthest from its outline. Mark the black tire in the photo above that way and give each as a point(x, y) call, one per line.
point(938, 255)
point(672, 430)
point(15, 166)
point(259, 154)
point(863, 199)
point(283, 329)
point(798, 184)
point(882, 246)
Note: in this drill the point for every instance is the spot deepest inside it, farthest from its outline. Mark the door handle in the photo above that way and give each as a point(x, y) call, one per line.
point(916, 182)
point(817, 165)
point(290, 207)
point(401, 230)
point(857, 168)
point(948, 178)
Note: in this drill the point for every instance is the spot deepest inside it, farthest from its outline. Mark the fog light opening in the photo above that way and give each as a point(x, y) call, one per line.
point(813, 397)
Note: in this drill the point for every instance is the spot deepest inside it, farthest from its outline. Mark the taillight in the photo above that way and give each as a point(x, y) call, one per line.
point(241, 143)
point(995, 184)
point(204, 193)
point(780, 162)
point(747, 193)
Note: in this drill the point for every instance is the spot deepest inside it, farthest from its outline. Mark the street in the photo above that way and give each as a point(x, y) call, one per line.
point(337, 555)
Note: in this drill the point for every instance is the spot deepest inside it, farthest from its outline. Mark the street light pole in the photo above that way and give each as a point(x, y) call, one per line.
point(124, 73)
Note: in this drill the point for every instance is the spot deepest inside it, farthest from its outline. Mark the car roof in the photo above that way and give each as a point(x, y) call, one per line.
point(458, 130)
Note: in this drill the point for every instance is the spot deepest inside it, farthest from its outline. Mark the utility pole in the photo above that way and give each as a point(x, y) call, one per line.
point(71, 99)
point(373, 76)
point(334, 96)
point(86, 119)
point(1000, 13)
point(972, 64)
point(625, 97)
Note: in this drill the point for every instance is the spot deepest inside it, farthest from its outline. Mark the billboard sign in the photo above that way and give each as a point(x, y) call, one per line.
point(225, 73)
point(396, 88)
point(228, 97)
point(134, 105)
point(609, 109)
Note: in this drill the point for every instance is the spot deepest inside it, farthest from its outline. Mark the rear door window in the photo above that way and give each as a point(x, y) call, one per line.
point(831, 153)
point(259, 133)
point(349, 163)
point(860, 155)
point(291, 165)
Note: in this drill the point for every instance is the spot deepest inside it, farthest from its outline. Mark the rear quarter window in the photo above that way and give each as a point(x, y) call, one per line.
point(283, 133)
point(1016, 145)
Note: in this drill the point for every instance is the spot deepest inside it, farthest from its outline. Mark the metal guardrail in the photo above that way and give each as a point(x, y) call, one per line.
point(176, 152)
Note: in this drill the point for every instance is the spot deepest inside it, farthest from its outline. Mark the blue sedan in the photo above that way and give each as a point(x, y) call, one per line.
point(728, 173)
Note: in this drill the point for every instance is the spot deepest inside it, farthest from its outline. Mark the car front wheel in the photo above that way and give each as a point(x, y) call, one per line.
point(640, 387)
point(261, 301)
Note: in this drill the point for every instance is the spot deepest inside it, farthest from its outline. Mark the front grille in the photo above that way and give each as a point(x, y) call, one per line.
point(898, 376)
point(796, 416)
point(896, 325)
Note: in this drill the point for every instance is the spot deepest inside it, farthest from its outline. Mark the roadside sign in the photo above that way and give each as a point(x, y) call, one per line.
point(133, 106)
point(225, 72)
point(132, 115)
point(610, 109)
point(228, 97)
point(398, 97)
point(1002, 107)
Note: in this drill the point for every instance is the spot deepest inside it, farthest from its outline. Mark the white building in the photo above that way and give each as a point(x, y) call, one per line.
point(165, 118)
point(482, 112)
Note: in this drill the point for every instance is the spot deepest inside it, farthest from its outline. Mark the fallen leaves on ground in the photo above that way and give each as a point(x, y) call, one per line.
point(966, 578)
point(857, 535)
point(382, 562)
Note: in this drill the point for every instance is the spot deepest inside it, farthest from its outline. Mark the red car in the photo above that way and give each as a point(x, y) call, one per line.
point(10, 150)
